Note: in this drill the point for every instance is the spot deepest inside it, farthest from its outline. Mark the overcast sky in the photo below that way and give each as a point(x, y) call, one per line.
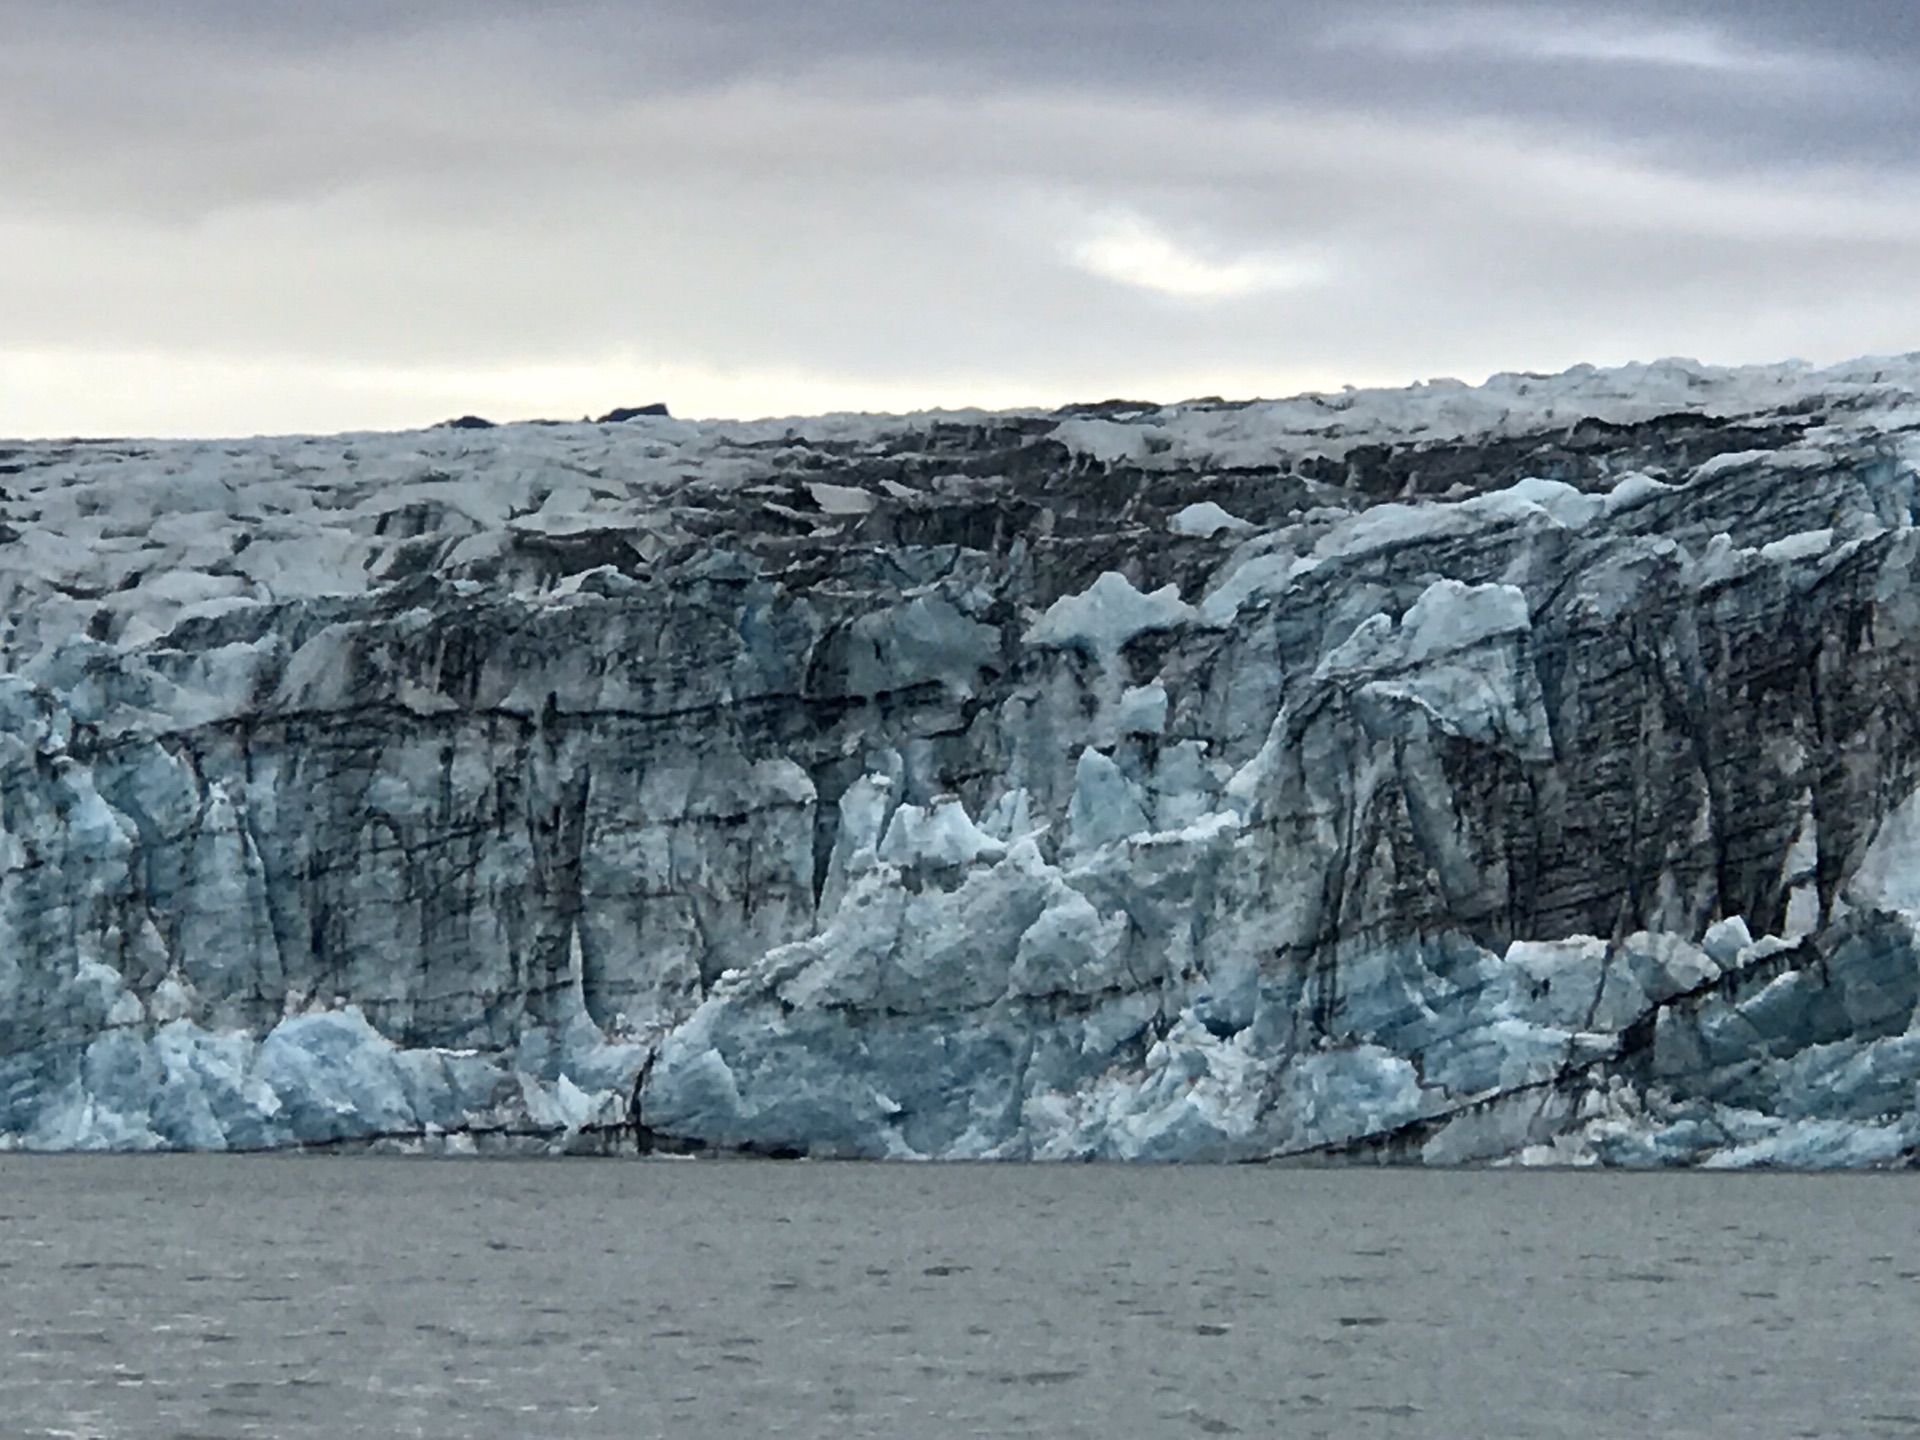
point(243, 216)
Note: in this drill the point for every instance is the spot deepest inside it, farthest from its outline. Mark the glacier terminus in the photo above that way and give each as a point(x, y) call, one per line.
point(1524, 773)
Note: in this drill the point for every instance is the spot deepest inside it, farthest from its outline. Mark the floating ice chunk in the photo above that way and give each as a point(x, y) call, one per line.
point(1205, 519)
point(1107, 615)
point(1817, 1145)
point(1634, 1142)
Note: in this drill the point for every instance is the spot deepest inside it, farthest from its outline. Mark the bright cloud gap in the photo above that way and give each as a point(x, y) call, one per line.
point(1130, 250)
point(1595, 39)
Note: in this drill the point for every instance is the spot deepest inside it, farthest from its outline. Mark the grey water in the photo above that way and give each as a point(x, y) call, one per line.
point(201, 1296)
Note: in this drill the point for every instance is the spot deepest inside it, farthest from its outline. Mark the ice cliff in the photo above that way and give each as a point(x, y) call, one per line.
point(1521, 772)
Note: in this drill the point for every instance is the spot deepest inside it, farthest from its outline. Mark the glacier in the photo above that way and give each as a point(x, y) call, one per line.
point(1518, 773)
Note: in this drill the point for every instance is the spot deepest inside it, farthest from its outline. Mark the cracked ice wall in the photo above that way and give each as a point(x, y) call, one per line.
point(1405, 774)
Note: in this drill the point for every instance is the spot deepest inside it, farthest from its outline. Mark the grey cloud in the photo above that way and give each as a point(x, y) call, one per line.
point(924, 242)
point(1852, 95)
point(858, 189)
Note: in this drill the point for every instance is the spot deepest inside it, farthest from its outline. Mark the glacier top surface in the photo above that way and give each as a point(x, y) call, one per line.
point(124, 540)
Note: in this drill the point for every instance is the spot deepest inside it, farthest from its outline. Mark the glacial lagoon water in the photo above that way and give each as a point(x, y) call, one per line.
point(160, 1298)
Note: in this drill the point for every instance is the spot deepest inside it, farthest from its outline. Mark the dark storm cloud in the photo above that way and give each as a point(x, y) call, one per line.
point(850, 201)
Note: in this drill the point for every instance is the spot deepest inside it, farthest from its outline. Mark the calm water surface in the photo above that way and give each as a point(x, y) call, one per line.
point(159, 1298)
